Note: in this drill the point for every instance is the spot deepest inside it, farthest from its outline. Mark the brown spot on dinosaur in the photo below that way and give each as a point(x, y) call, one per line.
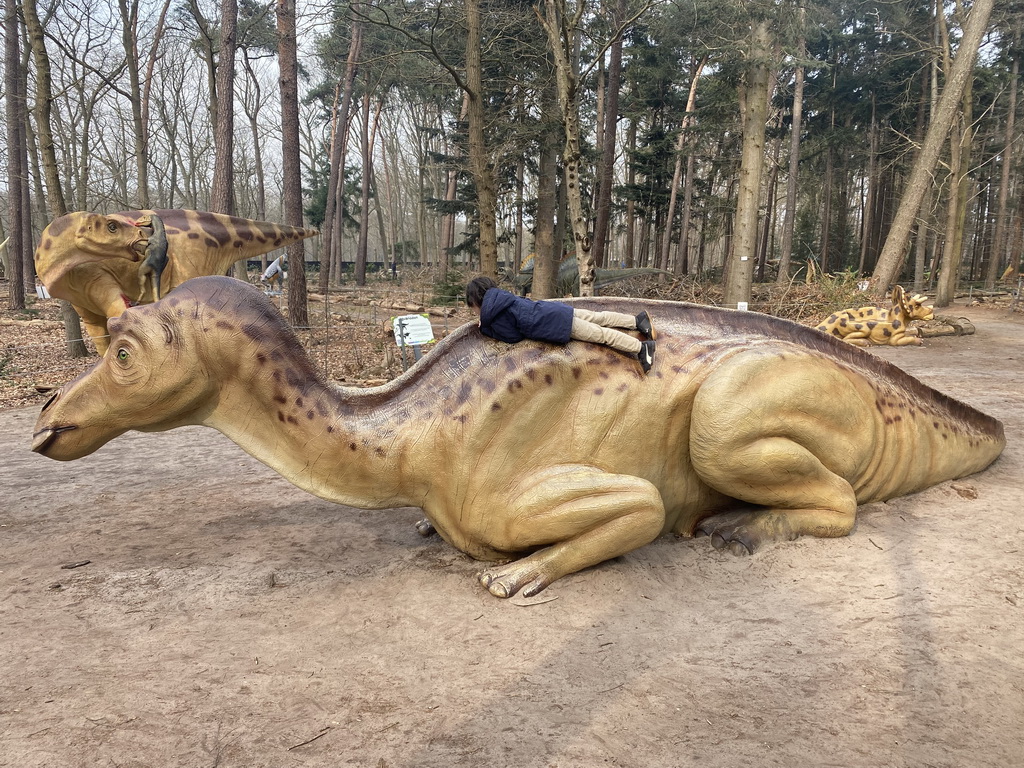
point(548, 485)
point(94, 260)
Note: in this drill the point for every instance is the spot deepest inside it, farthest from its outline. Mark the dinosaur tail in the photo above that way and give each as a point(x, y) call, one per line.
point(932, 441)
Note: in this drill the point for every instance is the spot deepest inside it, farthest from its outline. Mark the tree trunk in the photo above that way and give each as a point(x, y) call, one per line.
point(826, 208)
point(142, 159)
point(17, 160)
point(998, 248)
point(629, 246)
point(561, 30)
point(691, 100)
point(335, 183)
point(606, 163)
point(894, 251)
point(447, 237)
point(298, 309)
point(204, 44)
point(252, 111)
point(960, 140)
point(867, 242)
point(222, 193)
point(364, 192)
point(129, 39)
point(56, 205)
point(789, 220)
point(483, 173)
point(769, 212)
point(545, 254)
point(754, 111)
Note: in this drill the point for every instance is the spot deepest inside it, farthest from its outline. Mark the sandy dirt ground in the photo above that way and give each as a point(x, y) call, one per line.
point(226, 618)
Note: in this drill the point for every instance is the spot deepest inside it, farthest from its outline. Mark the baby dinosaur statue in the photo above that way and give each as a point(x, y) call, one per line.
point(103, 264)
point(569, 455)
point(877, 325)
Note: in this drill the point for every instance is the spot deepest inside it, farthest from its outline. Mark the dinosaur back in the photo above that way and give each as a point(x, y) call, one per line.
point(203, 243)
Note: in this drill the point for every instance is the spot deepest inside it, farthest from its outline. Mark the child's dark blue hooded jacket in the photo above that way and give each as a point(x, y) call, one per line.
point(507, 317)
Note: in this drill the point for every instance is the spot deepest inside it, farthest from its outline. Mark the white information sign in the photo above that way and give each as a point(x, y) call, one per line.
point(412, 330)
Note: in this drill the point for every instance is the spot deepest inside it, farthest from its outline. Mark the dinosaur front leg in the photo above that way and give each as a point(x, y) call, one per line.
point(95, 328)
point(581, 517)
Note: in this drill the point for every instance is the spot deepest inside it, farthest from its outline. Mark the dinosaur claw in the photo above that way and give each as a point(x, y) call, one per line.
point(494, 585)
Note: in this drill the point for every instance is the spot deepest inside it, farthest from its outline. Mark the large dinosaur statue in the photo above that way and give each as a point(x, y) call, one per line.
point(568, 454)
point(95, 261)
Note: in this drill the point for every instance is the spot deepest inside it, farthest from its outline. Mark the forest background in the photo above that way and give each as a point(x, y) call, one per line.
point(734, 142)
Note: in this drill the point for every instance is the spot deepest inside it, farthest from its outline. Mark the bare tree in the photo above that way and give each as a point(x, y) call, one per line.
point(1002, 206)
point(55, 193)
point(754, 93)
point(298, 308)
point(16, 155)
point(789, 219)
point(479, 158)
point(608, 134)
point(890, 261)
point(340, 119)
point(691, 99)
point(222, 198)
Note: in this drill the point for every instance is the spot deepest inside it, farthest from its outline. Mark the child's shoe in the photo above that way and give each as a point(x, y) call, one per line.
point(644, 325)
point(646, 355)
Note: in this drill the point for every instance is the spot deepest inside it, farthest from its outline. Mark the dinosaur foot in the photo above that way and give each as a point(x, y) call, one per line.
point(425, 528)
point(517, 576)
point(744, 532)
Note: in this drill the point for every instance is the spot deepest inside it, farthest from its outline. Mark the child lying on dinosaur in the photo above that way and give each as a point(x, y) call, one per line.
point(507, 317)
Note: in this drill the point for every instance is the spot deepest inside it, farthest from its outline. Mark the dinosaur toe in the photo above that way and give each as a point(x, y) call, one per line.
point(738, 532)
point(506, 581)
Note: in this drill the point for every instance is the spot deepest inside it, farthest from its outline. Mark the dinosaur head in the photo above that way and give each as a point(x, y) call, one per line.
point(168, 365)
point(162, 370)
point(918, 309)
point(912, 307)
point(90, 237)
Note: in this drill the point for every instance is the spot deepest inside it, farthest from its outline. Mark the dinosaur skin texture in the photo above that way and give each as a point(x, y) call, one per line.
point(877, 325)
point(567, 455)
point(95, 261)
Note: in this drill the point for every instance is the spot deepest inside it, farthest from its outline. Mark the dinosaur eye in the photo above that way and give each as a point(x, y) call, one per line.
point(112, 226)
point(122, 354)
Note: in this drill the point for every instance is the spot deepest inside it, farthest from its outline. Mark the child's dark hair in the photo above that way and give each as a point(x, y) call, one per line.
point(476, 289)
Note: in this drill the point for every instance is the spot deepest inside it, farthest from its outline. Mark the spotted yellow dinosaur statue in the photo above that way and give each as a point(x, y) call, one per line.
point(546, 459)
point(103, 264)
point(877, 325)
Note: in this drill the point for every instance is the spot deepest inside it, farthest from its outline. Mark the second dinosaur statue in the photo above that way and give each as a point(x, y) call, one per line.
point(104, 264)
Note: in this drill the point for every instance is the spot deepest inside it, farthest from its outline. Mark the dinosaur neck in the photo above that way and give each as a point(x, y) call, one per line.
point(339, 444)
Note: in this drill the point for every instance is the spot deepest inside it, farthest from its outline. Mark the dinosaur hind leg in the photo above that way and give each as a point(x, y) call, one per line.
point(799, 497)
point(580, 516)
point(763, 433)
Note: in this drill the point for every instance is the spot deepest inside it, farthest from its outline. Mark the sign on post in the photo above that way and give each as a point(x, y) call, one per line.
point(412, 331)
